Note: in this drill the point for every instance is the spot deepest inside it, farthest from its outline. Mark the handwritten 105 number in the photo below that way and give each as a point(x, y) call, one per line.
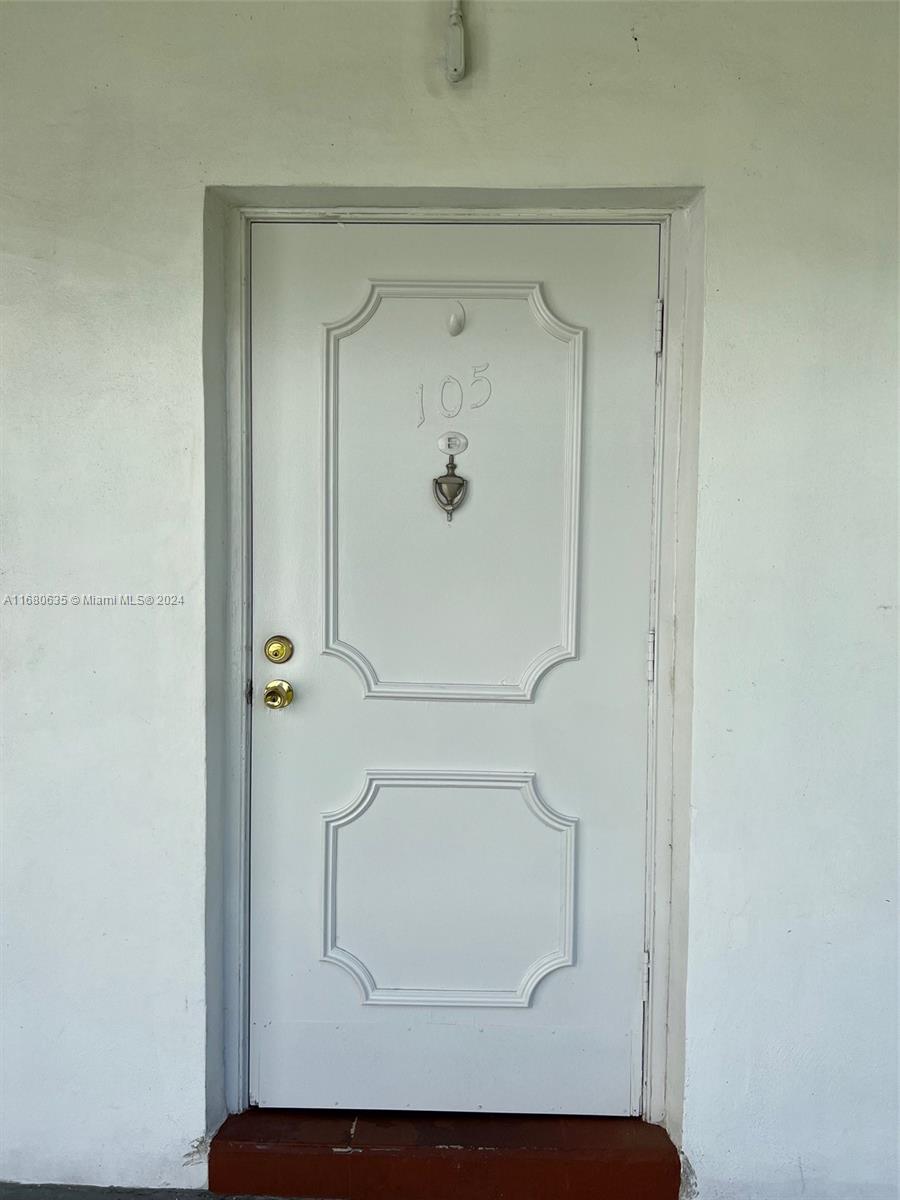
point(452, 394)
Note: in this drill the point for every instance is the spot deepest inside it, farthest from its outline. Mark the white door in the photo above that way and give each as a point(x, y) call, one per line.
point(448, 821)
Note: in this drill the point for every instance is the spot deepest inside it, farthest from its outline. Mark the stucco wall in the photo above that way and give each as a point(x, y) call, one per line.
point(116, 116)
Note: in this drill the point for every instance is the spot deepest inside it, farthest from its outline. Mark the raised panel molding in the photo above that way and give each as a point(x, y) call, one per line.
point(563, 955)
point(548, 322)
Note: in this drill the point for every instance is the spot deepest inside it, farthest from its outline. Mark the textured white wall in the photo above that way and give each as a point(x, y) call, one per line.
point(116, 116)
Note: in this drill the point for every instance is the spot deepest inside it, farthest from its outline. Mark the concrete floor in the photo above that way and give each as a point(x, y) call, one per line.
point(56, 1191)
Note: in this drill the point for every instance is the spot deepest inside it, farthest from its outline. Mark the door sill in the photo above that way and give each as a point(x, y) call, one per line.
point(328, 1155)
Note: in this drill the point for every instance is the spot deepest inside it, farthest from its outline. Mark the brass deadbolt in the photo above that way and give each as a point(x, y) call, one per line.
point(278, 649)
point(278, 694)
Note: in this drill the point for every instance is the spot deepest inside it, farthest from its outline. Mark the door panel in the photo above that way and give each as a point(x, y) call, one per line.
point(448, 822)
point(512, 358)
point(442, 837)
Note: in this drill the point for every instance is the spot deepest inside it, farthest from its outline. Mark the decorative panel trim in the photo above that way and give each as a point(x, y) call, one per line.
point(519, 997)
point(546, 320)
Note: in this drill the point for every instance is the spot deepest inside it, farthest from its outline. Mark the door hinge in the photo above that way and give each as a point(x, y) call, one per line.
point(651, 655)
point(645, 982)
point(659, 326)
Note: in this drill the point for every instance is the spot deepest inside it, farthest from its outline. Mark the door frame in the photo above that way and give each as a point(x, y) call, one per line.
point(230, 214)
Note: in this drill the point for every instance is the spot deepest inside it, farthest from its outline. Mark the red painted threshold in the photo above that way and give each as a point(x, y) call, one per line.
point(322, 1155)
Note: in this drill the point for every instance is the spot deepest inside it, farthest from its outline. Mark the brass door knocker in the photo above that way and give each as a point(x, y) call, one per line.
point(450, 489)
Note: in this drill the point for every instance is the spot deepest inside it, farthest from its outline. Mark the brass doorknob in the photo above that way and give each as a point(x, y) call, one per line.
point(277, 694)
